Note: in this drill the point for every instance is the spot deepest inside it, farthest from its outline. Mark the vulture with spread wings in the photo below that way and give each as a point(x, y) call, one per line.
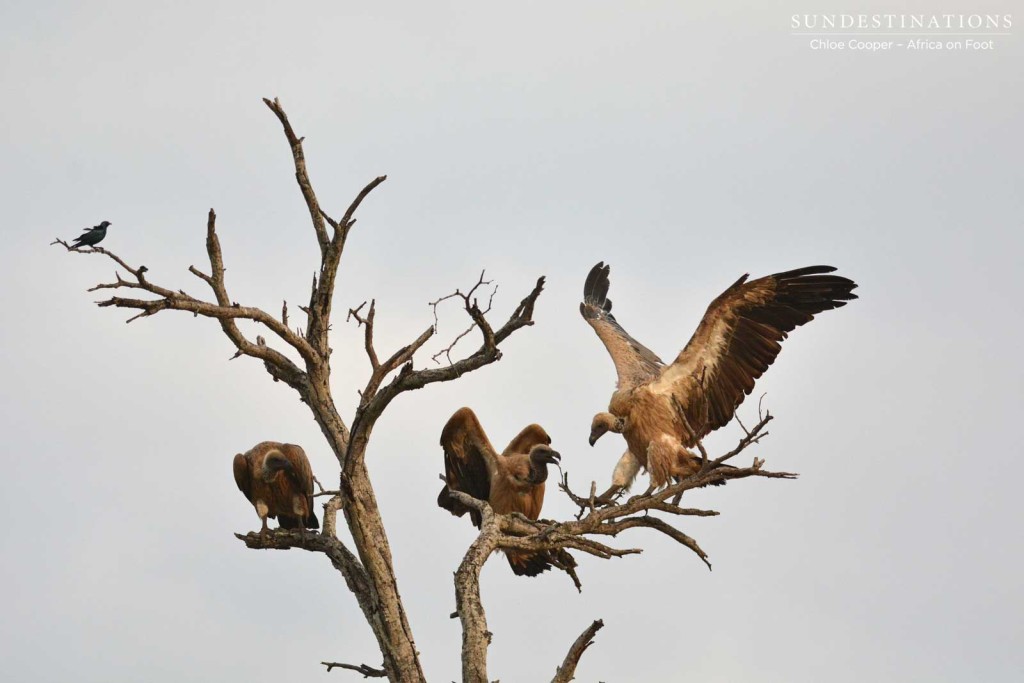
point(277, 479)
point(662, 410)
point(510, 481)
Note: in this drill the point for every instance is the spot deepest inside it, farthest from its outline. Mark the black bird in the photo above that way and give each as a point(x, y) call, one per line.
point(92, 236)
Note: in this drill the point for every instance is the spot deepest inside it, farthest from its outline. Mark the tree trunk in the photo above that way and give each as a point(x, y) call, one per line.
point(388, 619)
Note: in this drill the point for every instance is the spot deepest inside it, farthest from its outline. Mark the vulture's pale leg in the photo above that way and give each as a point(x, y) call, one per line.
point(298, 507)
point(622, 478)
point(661, 457)
point(262, 510)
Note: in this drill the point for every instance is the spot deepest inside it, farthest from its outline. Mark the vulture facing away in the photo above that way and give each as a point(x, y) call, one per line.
point(278, 481)
point(662, 410)
point(512, 481)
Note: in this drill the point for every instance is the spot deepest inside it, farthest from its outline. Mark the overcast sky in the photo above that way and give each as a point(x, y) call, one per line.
point(685, 145)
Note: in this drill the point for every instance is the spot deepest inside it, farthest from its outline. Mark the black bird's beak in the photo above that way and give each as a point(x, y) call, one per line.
point(554, 457)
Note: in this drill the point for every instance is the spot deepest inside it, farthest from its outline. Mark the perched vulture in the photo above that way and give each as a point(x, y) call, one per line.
point(512, 481)
point(662, 410)
point(278, 481)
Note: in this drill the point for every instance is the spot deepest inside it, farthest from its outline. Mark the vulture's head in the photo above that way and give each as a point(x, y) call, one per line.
point(604, 422)
point(276, 462)
point(541, 456)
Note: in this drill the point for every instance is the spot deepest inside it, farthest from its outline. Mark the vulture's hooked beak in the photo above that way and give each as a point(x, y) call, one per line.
point(596, 434)
point(546, 456)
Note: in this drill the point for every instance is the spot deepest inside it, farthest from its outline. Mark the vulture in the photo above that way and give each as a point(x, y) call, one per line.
point(277, 479)
point(510, 481)
point(92, 236)
point(664, 409)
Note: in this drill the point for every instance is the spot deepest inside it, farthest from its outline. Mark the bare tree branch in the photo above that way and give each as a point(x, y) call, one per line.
point(475, 636)
point(316, 216)
point(367, 671)
point(224, 310)
point(367, 323)
point(337, 552)
point(375, 397)
point(469, 303)
point(567, 671)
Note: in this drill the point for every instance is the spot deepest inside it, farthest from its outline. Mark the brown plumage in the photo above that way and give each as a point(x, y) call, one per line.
point(662, 410)
point(278, 481)
point(512, 481)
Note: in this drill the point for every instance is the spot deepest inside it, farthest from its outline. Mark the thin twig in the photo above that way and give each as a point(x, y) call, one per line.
point(367, 671)
point(471, 307)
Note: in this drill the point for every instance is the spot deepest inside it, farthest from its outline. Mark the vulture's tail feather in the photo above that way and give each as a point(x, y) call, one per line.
point(286, 522)
point(532, 564)
point(693, 466)
point(528, 564)
point(721, 466)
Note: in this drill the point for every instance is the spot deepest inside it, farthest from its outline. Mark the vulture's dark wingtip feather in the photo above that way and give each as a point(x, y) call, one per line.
point(809, 270)
point(595, 290)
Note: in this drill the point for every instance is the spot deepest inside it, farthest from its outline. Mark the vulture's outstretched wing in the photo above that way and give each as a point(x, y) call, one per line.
point(634, 362)
point(468, 461)
point(740, 336)
point(529, 437)
point(243, 475)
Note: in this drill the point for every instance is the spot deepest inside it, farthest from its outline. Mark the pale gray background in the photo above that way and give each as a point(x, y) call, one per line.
point(682, 144)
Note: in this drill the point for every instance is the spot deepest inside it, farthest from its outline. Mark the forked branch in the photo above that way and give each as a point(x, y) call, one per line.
point(377, 395)
point(469, 302)
point(223, 309)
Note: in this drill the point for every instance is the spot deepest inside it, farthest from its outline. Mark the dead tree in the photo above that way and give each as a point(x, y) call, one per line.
point(368, 570)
